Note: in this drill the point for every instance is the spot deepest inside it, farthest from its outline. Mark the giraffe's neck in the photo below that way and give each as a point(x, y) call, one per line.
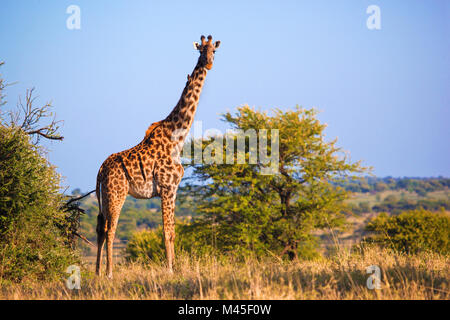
point(182, 116)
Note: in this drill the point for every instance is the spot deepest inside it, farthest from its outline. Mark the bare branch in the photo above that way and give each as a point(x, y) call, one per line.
point(84, 239)
point(45, 135)
point(2, 87)
point(28, 118)
point(79, 198)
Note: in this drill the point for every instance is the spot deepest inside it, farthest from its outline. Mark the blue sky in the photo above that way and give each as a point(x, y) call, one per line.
point(383, 93)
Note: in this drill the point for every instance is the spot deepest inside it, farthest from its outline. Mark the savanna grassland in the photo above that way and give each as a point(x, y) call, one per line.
point(310, 232)
point(343, 276)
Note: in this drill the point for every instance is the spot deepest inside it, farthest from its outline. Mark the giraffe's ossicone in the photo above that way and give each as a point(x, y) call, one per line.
point(151, 169)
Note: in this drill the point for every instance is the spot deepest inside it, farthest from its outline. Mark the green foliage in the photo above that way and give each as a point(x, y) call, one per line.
point(419, 185)
point(146, 245)
point(244, 211)
point(34, 231)
point(395, 206)
point(361, 207)
point(412, 231)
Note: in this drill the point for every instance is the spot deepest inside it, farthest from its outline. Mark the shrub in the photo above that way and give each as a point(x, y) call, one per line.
point(34, 230)
point(146, 245)
point(412, 231)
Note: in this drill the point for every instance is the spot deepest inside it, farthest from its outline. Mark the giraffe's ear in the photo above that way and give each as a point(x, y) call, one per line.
point(217, 44)
point(196, 45)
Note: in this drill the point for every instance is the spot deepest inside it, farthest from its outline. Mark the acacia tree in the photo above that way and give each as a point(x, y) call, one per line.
point(241, 209)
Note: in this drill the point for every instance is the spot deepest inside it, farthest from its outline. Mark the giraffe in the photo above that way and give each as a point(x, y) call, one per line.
point(151, 168)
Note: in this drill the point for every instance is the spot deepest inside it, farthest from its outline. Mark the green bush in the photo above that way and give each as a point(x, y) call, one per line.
point(412, 231)
point(146, 245)
point(34, 230)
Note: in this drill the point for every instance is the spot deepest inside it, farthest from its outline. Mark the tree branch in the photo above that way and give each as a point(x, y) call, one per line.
point(47, 136)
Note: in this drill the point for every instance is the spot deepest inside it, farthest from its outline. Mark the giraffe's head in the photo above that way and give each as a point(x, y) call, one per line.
point(207, 50)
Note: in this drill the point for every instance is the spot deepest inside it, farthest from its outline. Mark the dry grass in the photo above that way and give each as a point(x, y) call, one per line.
point(343, 276)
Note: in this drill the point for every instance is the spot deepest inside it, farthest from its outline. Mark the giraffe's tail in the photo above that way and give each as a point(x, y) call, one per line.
point(100, 218)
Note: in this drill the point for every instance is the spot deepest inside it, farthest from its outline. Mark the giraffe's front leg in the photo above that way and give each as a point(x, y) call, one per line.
point(168, 197)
